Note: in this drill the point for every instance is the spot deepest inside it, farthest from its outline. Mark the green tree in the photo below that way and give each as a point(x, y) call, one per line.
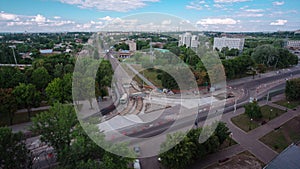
point(55, 126)
point(58, 71)
point(10, 77)
point(265, 54)
point(40, 78)
point(253, 110)
point(222, 132)
point(27, 96)
point(189, 148)
point(14, 154)
point(60, 90)
point(292, 89)
point(180, 155)
point(112, 161)
point(8, 105)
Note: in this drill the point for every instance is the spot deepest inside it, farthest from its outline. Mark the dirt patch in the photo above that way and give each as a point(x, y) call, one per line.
point(244, 160)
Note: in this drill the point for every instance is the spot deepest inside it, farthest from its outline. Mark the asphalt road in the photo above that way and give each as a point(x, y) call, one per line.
point(187, 121)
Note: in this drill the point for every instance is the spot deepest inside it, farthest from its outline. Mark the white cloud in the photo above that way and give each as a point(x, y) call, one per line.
point(278, 3)
point(229, 1)
point(57, 17)
point(8, 16)
point(218, 6)
point(217, 21)
point(254, 10)
point(194, 7)
point(110, 5)
point(39, 19)
point(279, 22)
point(106, 18)
point(197, 5)
point(250, 15)
point(166, 22)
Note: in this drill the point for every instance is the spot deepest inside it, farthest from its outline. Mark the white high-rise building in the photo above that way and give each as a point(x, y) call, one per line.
point(231, 43)
point(189, 40)
point(131, 44)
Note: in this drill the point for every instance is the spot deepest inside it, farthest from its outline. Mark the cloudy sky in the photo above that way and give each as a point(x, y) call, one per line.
point(92, 15)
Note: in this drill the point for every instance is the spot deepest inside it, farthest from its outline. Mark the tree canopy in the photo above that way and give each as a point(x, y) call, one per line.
point(14, 154)
point(292, 89)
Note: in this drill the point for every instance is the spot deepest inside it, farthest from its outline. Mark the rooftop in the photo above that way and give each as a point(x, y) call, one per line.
point(287, 159)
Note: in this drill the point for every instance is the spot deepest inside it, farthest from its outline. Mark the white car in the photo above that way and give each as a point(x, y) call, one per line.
point(136, 164)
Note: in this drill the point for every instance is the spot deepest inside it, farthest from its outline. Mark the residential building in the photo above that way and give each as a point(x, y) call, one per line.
point(293, 44)
point(124, 54)
point(231, 43)
point(131, 44)
point(157, 44)
point(189, 40)
point(46, 51)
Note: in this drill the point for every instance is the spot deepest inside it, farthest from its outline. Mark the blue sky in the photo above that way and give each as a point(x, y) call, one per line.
point(91, 15)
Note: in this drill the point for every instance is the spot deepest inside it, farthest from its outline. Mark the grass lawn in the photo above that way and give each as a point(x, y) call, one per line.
point(244, 122)
point(18, 118)
point(288, 104)
point(151, 75)
point(288, 133)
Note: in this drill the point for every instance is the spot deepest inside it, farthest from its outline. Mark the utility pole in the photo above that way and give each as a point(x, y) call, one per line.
point(12, 47)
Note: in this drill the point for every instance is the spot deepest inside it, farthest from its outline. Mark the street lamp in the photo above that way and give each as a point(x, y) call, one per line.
point(250, 124)
point(230, 135)
point(270, 114)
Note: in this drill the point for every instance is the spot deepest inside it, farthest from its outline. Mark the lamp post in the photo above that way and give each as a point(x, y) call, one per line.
point(250, 124)
point(230, 135)
point(12, 48)
point(270, 114)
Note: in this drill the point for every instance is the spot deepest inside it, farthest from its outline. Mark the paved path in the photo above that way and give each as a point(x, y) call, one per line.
point(34, 109)
point(249, 141)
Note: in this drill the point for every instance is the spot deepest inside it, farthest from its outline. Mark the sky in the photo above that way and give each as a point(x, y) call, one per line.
point(204, 15)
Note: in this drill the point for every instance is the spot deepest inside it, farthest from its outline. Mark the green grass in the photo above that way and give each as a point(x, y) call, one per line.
point(151, 75)
point(268, 114)
point(288, 104)
point(288, 133)
point(244, 122)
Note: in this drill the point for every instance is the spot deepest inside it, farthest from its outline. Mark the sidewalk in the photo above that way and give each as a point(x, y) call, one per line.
point(250, 140)
point(34, 109)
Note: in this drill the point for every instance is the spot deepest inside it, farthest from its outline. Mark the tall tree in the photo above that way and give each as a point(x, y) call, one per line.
point(27, 96)
point(60, 90)
point(253, 110)
point(8, 104)
point(265, 54)
point(14, 154)
point(10, 77)
point(55, 126)
point(292, 89)
point(40, 78)
point(180, 155)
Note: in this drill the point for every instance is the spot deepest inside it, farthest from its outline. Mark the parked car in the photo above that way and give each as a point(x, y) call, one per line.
point(136, 164)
